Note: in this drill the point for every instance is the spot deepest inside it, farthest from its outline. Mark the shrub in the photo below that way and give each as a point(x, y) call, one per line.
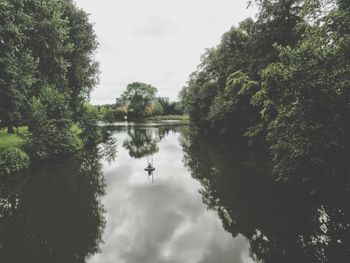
point(13, 160)
point(109, 116)
point(88, 122)
point(51, 126)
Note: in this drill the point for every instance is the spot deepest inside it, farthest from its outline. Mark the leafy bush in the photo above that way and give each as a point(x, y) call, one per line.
point(305, 98)
point(89, 124)
point(231, 108)
point(13, 160)
point(51, 130)
point(157, 109)
point(109, 115)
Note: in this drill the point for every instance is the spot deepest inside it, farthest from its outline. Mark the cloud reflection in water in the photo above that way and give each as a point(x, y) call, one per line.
point(165, 221)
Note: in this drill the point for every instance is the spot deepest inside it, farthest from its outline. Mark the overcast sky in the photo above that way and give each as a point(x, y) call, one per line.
point(158, 42)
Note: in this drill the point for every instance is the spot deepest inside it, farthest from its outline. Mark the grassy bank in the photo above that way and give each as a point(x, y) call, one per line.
point(169, 117)
point(11, 140)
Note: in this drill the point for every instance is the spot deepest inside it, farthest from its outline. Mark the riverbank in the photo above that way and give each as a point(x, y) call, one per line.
point(12, 140)
point(168, 117)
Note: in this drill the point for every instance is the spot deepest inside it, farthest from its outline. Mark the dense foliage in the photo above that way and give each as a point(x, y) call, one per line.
point(138, 99)
point(52, 132)
point(44, 43)
point(282, 79)
point(247, 48)
point(13, 160)
point(305, 98)
point(88, 121)
point(47, 70)
point(138, 102)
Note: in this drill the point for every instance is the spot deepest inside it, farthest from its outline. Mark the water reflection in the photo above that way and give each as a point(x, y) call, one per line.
point(141, 142)
point(54, 214)
point(165, 221)
point(281, 224)
point(211, 202)
point(144, 141)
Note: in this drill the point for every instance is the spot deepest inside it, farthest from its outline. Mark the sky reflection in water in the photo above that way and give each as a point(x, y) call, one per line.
point(164, 221)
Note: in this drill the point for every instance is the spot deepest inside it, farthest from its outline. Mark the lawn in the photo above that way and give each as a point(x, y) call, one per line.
point(169, 117)
point(8, 140)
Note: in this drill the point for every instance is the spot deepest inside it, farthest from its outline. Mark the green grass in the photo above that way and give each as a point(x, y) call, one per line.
point(11, 140)
point(169, 117)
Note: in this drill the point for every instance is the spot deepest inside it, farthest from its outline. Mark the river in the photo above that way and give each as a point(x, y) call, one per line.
point(206, 201)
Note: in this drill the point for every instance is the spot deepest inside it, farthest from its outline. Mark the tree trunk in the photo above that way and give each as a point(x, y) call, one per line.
point(10, 129)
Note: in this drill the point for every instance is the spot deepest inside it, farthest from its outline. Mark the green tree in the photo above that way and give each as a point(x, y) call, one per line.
point(63, 41)
point(278, 22)
point(157, 108)
point(17, 65)
point(109, 115)
point(44, 43)
point(305, 100)
point(249, 48)
point(83, 70)
point(169, 108)
point(51, 133)
point(231, 108)
point(88, 121)
point(138, 97)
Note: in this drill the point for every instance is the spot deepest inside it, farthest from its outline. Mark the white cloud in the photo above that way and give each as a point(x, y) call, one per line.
point(147, 40)
point(155, 27)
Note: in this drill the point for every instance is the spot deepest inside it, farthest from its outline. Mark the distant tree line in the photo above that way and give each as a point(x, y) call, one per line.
point(138, 102)
point(283, 81)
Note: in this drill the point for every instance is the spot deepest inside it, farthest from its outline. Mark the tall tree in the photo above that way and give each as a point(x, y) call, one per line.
point(17, 65)
point(305, 100)
point(44, 43)
point(83, 70)
point(231, 109)
point(248, 48)
point(138, 98)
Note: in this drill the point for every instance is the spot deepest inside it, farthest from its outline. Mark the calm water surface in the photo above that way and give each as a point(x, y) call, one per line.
point(206, 201)
point(160, 218)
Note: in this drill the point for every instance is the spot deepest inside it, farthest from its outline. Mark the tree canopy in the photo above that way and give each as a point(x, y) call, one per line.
point(44, 43)
point(138, 99)
point(282, 80)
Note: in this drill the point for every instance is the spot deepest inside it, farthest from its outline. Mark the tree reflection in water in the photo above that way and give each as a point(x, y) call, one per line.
point(282, 224)
point(54, 214)
point(141, 142)
point(144, 142)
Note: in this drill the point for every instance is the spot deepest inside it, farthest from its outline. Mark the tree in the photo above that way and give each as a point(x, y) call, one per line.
point(83, 71)
point(157, 109)
point(305, 100)
point(52, 133)
point(249, 48)
point(231, 109)
point(17, 65)
point(64, 43)
point(44, 43)
point(169, 108)
point(138, 97)
point(278, 22)
point(88, 121)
